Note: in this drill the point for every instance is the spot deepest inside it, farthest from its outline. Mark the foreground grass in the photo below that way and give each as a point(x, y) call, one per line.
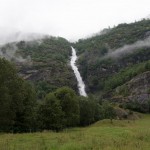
point(121, 135)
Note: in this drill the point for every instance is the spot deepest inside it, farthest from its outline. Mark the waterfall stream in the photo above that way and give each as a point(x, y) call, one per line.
point(81, 85)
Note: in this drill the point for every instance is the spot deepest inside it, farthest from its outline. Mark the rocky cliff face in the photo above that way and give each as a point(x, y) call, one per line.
point(135, 93)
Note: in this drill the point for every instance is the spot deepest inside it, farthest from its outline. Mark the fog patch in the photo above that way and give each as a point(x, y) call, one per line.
point(127, 49)
point(10, 52)
point(19, 36)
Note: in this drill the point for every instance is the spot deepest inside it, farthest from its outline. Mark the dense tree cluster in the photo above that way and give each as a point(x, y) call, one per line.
point(63, 108)
point(59, 109)
point(20, 111)
point(17, 100)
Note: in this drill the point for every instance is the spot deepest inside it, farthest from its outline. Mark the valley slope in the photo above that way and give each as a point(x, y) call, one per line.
point(113, 59)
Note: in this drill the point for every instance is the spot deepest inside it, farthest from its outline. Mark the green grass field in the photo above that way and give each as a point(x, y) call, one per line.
point(121, 135)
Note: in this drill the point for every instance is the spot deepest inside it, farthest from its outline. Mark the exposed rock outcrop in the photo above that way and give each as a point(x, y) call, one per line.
point(135, 92)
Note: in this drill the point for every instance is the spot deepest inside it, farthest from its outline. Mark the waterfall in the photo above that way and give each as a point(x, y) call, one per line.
point(81, 85)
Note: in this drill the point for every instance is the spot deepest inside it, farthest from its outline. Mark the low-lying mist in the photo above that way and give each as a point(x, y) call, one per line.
point(19, 36)
point(9, 52)
point(9, 49)
point(126, 49)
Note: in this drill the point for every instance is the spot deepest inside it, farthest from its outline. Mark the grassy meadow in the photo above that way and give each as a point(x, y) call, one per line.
point(121, 135)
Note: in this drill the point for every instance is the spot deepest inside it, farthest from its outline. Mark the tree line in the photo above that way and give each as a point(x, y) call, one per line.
point(20, 111)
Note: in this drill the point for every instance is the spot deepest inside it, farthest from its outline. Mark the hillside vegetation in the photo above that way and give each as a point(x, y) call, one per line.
point(115, 37)
point(44, 62)
point(109, 60)
point(17, 100)
point(96, 68)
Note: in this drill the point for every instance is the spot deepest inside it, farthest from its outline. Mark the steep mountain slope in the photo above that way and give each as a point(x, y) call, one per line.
point(115, 37)
point(45, 62)
point(114, 58)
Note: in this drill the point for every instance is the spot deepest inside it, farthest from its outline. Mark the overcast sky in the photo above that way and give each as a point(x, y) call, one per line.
point(71, 19)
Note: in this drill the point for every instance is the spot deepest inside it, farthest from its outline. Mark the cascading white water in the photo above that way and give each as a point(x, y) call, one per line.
point(81, 84)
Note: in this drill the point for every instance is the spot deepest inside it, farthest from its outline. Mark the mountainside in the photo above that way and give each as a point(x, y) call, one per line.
point(45, 62)
point(134, 94)
point(113, 59)
point(108, 62)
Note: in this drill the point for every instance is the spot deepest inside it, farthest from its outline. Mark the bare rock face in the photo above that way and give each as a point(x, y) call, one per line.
point(135, 92)
point(139, 87)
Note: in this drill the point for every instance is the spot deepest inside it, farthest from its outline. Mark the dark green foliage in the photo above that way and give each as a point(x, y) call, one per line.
point(20, 112)
point(149, 104)
point(63, 108)
point(143, 107)
point(70, 105)
point(17, 100)
point(109, 111)
point(7, 77)
point(24, 105)
point(59, 110)
point(90, 111)
point(87, 111)
point(43, 87)
point(125, 75)
point(50, 114)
